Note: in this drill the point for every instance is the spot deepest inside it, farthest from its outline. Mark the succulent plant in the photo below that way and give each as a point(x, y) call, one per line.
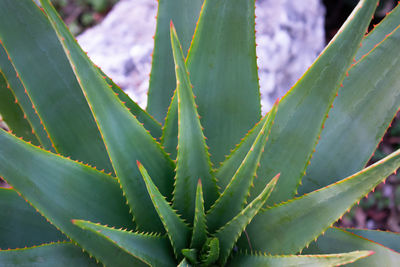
point(94, 179)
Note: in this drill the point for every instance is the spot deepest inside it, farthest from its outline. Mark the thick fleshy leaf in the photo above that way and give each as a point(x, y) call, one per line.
point(356, 124)
point(125, 137)
point(223, 69)
point(230, 232)
point(46, 74)
point(184, 14)
point(23, 99)
point(280, 229)
point(210, 251)
point(326, 260)
point(55, 254)
point(385, 27)
point(149, 122)
point(169, 138)
point(21, 225)
point(152, 249)
point(387, 239)
point(193, 161)
point(12, 114)
point(234, 197)
point(199, 234)
point(336, 240)
point(61, 190)
point(303, 110)
point(229, 167)
point(190, 255)
point(177, 231)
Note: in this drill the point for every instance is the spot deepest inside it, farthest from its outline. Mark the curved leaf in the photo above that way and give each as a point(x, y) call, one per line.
point(336, 240)
point(12, 113)
point(47, 76)
point(380, 32)
point(23, 99)
point(125, 137)
point(357, 124)
point(229, 167)
point(177, 231)
point(230, 232)
point(151, 249)
point(21, 225)
point(326, 260)
point(234, 197)
point(149, 122)
point(169, 138)
point(184, 14)
point(193, 161)
point(388, 239)
point(303, 110)
point(61, 190)
point(63, 254)
point(199, 234)
point(281, 229)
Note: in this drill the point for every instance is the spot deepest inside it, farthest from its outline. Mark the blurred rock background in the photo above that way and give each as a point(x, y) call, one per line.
point(290, 34)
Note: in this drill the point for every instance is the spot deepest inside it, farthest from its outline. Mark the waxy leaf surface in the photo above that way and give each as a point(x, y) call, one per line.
point(126, 139)
point(281, 229)
point(62, 190)
point(44, 70)
point(21, 225)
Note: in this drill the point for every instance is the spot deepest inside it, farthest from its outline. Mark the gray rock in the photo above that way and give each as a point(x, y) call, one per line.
point(290, 35)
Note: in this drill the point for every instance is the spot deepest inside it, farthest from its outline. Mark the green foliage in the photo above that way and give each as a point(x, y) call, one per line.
point(152, 210)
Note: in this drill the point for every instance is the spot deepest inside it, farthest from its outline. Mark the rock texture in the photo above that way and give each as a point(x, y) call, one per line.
point(289, 35)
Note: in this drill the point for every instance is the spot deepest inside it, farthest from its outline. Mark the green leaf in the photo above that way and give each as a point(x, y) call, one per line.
point(190, 255)
point(356, 124)
point(61, 190)
point(234, 197)
point(230, 232)
point(125, 137)
point(55, 254)
point(44, 70)
point(178, 232)
point(21, 225)
point(336, 240)
point(193, 161)
point(149, 122)
point(12, 113)
point(23, 99)
point(387, 239)
point(226, 86)
point(169, 138)
point(327, 260)
point(380, 32)
point(184, 14)
point(303, 110)
point(199, 234)
point(210, 251)
point(152, 249)
point(281, 229)
point(229, 167)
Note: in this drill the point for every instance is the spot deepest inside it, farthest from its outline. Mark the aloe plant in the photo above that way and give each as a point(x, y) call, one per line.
point(95, 179)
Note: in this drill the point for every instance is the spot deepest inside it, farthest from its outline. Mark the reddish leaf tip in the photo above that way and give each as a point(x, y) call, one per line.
point(138, 164)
